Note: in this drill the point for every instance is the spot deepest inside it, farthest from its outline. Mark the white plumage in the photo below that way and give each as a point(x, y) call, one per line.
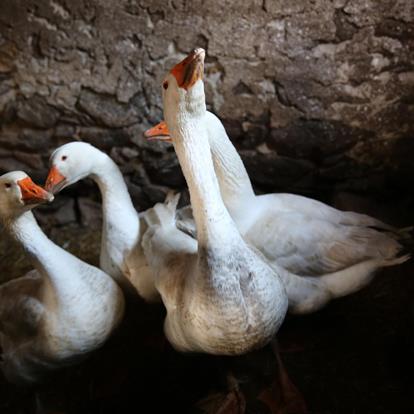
point(58, 313)
point(320, 252)
point(221, 295)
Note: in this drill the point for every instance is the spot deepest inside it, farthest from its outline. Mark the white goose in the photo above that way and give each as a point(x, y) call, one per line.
point(59, 312)
point(221, 296)
point(336, 252)
point(121, 253)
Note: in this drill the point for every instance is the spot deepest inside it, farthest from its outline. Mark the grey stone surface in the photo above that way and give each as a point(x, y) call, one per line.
point(318, 96)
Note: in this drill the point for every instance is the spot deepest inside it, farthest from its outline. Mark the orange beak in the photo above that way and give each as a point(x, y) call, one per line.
point(158, 133)
point(32, 193)
point(189, 70)
point(55, 180)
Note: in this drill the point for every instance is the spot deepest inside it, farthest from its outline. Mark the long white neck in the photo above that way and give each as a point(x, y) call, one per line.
point(49, 259)
point(235, 185)
point(214, 224)
point(119, 214)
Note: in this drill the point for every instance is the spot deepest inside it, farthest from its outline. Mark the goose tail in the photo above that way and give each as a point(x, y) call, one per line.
point(308, 294)
point(163, 214)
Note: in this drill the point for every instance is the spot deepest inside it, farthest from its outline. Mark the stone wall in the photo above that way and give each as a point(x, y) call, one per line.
point(317, 95)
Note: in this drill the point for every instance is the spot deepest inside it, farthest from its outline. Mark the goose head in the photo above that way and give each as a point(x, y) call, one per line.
point(18, 194)
point(158, 132)
point(183, 88)
point(70, 163)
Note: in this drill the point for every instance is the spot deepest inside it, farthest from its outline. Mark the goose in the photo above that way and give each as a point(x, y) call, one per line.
point(220, 294)
point(121, 254)
point(327, 253)
point(61, 311)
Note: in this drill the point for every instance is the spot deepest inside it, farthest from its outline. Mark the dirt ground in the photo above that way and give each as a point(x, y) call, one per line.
point(356, 356)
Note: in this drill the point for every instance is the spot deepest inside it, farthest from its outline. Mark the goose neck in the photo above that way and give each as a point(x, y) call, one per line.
point(214, 225)
point(116, 202)
point(50, 260)
point(235, 185)
point(111, 183)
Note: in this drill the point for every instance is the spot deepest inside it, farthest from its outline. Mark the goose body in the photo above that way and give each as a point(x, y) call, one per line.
point(326, 253)
point(317, 239)
point(221, 296)
point(57, 313)
point(121, 253)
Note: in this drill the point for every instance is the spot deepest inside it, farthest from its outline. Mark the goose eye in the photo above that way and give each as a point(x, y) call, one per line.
point(7, 185)
point(64, 157)
point(165, 85)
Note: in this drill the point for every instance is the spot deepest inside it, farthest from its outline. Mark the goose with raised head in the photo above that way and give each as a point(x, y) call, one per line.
point(121, 254)
point(335, 252)
point(58, 313)
point(221, 295)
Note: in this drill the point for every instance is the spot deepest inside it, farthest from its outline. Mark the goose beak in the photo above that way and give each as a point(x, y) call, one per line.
point(55, 180)
point(158, 133)
point(190, 70)
point(32, 193)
